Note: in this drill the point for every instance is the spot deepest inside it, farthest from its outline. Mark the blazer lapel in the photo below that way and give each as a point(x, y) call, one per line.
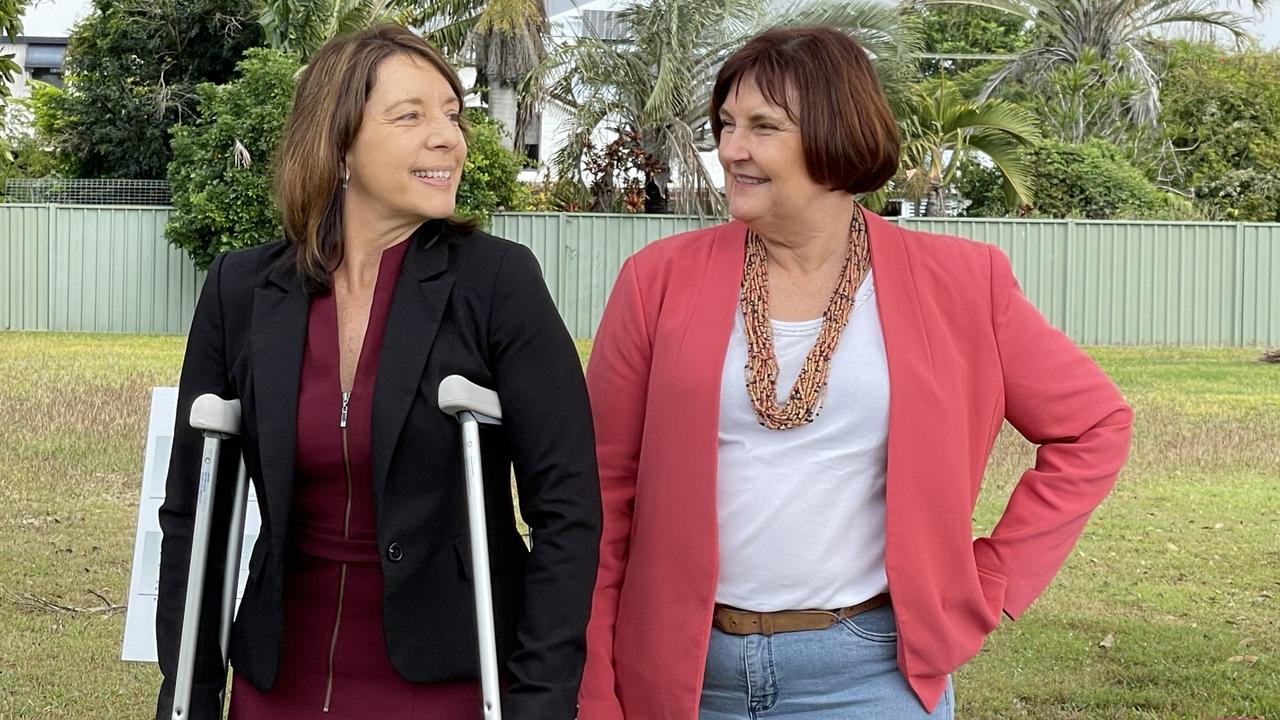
point(901, 320)
point(421, 295)
point(708, 324)
point(914, 395)
point(694, 397)
point(278, 336)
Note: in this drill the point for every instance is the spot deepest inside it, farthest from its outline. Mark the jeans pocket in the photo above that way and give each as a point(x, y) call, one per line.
point(877, 625)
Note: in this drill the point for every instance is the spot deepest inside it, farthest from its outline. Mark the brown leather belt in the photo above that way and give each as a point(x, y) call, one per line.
point(741, 622)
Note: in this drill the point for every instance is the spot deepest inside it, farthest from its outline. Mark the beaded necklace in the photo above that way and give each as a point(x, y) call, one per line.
point(804, 403)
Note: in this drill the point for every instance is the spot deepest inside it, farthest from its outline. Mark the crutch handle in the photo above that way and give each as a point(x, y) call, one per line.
point(458, 394)
point(210, 413)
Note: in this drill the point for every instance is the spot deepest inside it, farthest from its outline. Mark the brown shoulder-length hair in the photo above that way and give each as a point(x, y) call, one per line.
point(824, 81)
point(328, 106)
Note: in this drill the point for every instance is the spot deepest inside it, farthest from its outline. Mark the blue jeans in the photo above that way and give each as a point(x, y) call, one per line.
point(847, 672)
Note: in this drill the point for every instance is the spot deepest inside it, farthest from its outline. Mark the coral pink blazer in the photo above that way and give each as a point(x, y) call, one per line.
point(966, 351)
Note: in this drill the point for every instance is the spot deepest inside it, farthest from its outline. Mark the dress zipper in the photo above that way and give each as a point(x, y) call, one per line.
point(346, 535)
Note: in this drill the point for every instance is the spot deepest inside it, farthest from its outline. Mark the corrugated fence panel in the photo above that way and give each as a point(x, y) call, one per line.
point(1139, 283)
point(1258, 270)
point(24, 267)
point(110, 269)
point(593, 249)
point(1152, 283)
point(581, 254)
point(114, 271)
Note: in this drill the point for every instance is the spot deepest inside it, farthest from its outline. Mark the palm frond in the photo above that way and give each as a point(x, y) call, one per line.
point(1010, 157)
point(441, 20)
point(1119, 33)
point(884, 30)
point(451, 38)
point(943, 128)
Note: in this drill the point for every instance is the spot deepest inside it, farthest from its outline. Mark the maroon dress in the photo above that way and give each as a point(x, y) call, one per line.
point(335, 665)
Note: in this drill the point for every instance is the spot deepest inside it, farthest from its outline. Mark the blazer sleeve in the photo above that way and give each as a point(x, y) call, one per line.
point(548, 421)
point(618, 381)
point(203, 371)
point(1060, 400)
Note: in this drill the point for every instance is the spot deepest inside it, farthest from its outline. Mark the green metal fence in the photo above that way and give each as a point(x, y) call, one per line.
point(83, 268)
point(110, 269)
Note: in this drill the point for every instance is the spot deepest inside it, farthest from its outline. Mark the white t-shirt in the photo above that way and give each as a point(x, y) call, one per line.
point(801, 511)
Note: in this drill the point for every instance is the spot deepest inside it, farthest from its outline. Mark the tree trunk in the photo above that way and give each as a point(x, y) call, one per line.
point(657, 185)
point(655, 199)
point(502, 107)
point(937, 203)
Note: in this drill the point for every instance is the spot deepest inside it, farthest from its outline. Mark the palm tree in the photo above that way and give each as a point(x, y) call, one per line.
point(1125, 35)
point(509, 43)
point(302, 26)
point(1087, 100)
point(655, 84)
point(944, 128)
point(507, 39)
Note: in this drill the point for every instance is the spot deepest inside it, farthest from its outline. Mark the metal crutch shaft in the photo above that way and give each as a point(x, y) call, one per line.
point(471, 405)
point(235, 542)
point(218, 420)
point(480, 567)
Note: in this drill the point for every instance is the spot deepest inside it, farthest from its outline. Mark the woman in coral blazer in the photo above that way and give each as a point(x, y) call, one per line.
point(805, 550)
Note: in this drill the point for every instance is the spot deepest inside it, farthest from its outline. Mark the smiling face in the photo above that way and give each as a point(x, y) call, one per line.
point(762, 152)
point(406, 160)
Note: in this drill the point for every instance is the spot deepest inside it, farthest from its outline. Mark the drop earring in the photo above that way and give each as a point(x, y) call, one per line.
point(346, 176)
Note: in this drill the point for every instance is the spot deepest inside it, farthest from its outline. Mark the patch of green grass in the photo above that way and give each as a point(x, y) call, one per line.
point(1178, 567)
point(74, 411)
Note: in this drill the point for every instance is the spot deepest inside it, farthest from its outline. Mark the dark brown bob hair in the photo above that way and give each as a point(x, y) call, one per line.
point(328, 106)
point(824, 81)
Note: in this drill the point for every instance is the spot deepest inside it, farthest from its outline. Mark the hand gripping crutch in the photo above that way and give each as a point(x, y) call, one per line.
point(218, 420)
point(471, 405)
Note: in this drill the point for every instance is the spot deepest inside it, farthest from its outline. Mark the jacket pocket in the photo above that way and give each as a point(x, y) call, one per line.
point(993, 586)
point(973, 610)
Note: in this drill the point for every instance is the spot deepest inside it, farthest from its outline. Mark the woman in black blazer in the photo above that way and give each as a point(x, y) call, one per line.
point(358, 603)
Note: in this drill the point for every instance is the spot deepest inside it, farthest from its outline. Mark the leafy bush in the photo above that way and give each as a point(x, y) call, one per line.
point(1095, 181)
point(25, 152)
point(1222, 110)
point(222, 165)
point(984, 188)
point(489, 181)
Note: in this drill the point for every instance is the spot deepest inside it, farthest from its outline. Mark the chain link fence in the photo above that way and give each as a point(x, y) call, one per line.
point(87, 192)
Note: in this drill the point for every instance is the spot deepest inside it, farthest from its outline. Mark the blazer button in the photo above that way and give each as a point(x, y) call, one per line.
point(394, 552)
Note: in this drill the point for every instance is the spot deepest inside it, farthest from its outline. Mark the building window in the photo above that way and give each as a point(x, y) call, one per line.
point(532, 155)
point(50, 76)
point(603, 24)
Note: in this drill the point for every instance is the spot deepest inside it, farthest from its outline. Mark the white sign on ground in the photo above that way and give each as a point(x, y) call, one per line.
point(140, 620)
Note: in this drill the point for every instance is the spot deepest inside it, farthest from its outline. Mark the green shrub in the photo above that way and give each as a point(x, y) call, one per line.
point(221, 170)
point(489, 181)
point(1095, 181)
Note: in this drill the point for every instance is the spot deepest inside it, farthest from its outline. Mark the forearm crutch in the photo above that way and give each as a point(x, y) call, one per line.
point(472, 405)
point(217, 420)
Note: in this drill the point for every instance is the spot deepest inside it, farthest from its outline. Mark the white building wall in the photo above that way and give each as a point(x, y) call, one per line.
point(18, 86)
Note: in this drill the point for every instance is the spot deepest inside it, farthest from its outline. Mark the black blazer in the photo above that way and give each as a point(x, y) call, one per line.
point(465, 303)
